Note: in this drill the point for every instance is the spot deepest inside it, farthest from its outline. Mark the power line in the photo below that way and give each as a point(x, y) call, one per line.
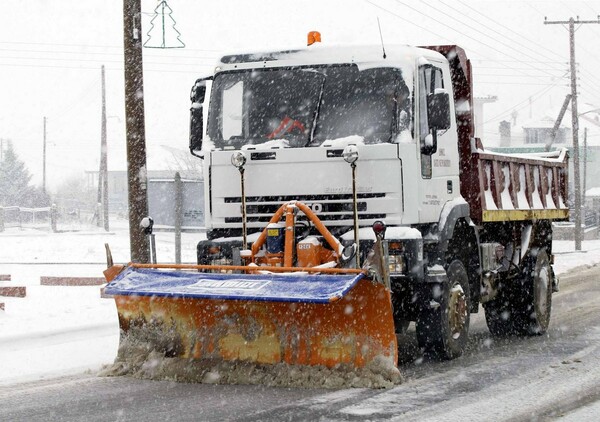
point(532, 98)
point(520, 36)
point(97, 53)
point(593, 87)
point(96, 68)
point(438, 21)
point(120, 47)
point(524, 61)
point(541, 92)
point(499, 41)
point(422, 27)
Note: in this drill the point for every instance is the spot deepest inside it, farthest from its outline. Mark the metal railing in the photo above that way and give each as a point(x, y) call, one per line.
point(22, 217)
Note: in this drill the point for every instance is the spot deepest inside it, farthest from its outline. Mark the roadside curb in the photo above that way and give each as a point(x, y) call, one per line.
point(13, 291)
point(72, 281)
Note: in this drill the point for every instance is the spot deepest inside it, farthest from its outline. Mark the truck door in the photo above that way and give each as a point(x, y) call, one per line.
point(439, 152)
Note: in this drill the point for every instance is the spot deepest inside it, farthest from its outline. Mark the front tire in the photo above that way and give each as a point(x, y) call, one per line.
point(443, 331)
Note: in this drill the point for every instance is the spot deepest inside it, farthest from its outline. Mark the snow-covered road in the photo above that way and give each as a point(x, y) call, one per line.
point(71, 331)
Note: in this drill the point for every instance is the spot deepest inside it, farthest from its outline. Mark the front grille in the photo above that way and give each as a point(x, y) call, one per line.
point(303, 198)
point(327, 207)
point(265, 219)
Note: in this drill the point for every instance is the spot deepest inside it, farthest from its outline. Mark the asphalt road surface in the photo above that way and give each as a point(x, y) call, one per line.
point(555, 376)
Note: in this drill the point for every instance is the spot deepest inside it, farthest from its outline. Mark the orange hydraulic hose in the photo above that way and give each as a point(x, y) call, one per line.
point(332, 241)
point(329, 238)
point(289, 236)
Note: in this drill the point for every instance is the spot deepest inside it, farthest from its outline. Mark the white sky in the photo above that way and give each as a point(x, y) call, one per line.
point(51, 53)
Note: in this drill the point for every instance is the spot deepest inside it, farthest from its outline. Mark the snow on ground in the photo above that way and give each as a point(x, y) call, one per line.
point(56, 331)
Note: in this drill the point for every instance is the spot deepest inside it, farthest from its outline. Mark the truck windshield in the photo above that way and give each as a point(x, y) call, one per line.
point(304, 107)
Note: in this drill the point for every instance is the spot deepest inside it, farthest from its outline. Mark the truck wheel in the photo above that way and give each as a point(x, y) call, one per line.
point(443, 331)
point(535, 296)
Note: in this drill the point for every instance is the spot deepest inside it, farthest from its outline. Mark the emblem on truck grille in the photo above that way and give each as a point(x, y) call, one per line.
point(315, 207)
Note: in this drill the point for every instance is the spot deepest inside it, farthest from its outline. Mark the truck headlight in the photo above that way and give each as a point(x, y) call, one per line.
point(397, 264)
point(397, 257)
point(216, 256)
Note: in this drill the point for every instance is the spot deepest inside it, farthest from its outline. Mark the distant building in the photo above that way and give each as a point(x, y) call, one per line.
point(117, 185)
point(478, 102)
point(540, 132)
point(537, 134)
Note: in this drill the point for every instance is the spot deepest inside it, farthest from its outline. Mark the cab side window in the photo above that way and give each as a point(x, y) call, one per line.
point(430, 78)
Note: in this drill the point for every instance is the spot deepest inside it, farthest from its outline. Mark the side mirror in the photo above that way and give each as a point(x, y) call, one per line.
point(438, 110)
point(196, 110)
point(438, 118)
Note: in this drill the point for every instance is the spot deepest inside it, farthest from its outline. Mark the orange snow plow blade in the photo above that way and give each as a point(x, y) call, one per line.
point(300, 319)
point(266, 313)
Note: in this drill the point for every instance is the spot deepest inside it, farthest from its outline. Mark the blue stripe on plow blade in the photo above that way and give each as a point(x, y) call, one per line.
point(292, 287)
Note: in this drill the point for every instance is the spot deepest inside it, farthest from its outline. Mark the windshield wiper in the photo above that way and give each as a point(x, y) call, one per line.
point(317, 109)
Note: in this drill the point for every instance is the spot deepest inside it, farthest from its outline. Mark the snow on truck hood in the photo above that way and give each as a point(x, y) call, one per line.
point(284, 143)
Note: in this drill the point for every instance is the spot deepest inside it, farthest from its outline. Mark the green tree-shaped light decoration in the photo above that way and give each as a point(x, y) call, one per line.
point(166, 39)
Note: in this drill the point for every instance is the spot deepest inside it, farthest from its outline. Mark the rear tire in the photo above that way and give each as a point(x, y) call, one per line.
point(535, 304)
point(524, 308)
point(443, 331)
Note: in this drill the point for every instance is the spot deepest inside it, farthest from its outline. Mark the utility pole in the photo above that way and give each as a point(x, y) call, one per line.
point(574, 121)
point(104, 155)
point(136, 136)
point(44, 160)
point(585, 154)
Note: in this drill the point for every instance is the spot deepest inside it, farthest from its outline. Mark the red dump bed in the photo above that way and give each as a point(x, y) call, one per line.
point(503, 187)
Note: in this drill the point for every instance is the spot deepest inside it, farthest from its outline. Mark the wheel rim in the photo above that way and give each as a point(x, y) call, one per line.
point(542, 281)
point(457, 311)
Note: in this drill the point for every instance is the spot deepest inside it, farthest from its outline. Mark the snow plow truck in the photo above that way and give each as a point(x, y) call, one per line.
point(346, 196)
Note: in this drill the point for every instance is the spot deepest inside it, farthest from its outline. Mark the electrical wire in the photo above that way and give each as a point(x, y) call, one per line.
point(520, 37)
point(530, 100)
point(547, 86)
point(118, 54)
point(499, 41)
point(86, 45)
point(120, 69)
point(438, 21)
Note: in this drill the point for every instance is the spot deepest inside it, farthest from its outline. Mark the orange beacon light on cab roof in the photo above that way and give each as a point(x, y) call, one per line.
point(313, 37)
